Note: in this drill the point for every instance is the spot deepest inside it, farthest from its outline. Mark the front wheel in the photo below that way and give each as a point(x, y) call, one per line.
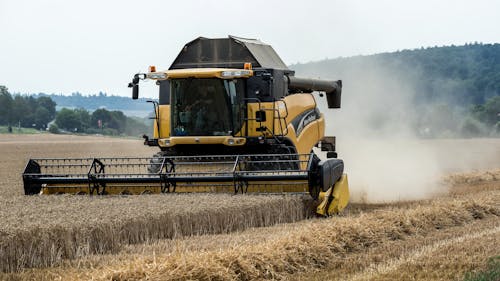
point(155, 163)
point(157, 160)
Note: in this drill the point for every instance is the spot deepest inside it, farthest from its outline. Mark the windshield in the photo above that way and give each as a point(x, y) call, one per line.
point(207, 107)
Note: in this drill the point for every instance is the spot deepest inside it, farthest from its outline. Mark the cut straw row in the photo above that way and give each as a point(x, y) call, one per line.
point(47, 246)
point(310, 247)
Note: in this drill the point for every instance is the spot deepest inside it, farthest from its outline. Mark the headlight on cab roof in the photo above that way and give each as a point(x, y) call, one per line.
point(157, 75)
point(235, 73)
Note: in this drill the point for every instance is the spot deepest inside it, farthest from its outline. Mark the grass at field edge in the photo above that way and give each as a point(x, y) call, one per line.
point(491, 273)
point(16, 130)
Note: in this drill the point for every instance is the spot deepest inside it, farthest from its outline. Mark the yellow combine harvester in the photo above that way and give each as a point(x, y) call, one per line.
point(231, 117)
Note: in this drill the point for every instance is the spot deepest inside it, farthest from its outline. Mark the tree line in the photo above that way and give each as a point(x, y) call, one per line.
point(449, 91)
point(456, 75)
point(101, 121)
point(96, 101)
point(40, 113)
point(441, 120)
point(25, 111)
point(488, 115)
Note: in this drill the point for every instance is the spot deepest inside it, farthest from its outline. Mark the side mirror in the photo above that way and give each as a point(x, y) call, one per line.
point(135, 91)
point(260, 116)
point(135, 87)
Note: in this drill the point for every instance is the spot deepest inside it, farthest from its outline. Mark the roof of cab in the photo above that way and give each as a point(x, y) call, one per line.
point(231, 52)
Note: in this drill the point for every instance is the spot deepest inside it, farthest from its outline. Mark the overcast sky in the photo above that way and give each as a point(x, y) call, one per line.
point(60, 46)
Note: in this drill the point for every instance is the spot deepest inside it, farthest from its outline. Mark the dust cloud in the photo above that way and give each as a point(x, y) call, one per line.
point(377, 137)
point(389, 169)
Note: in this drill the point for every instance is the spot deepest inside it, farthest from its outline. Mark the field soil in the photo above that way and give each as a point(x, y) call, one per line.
point(224, 237)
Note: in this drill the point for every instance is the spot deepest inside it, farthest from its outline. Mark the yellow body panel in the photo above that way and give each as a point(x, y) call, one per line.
point(284, 110)
point(340, 196)
point(164, 116)
point(278, 124)
point(299, 103)
point(121, 188)
point(222, 187)
point(335, 199)
point(308, 138)
point(324, 199)
point(295, 105)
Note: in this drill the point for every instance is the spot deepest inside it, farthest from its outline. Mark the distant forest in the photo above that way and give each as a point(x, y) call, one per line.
point(139, 108)
point(39, 112)
point(434, 92)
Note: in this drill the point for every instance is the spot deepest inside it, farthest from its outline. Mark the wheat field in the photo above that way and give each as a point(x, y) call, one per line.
point(41, 231)
point(226, 237)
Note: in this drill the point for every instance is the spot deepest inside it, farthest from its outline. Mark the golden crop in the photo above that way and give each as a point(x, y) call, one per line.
point(212, 236)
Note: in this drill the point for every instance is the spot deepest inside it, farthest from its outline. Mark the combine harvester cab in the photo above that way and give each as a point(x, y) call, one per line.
point(231, 117)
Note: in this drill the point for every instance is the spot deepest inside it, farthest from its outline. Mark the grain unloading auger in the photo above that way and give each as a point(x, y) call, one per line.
point(231, 117)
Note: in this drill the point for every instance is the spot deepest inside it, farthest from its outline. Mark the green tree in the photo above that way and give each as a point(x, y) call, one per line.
point(27, 111)
point(21, 112)
point(84, 118)
point(488, 115)
point(478, 112)
point(54, 129)
point(492, 111)
point(101, 116)
point(49, 105)
point(472, 128)
point(109, 119)
point(5, 106)
point(68, 120)
point(118, 121)
point(42, 117)
point(137, 126)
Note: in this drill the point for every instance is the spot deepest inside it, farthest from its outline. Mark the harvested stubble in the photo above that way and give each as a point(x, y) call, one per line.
point(309, 247)
point(427, 254)
point(472, 177)
point(276, 252)
point(448, 259)
point(42, 231)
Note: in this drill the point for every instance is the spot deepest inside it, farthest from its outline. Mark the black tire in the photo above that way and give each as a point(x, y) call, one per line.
point(314, 188)
point(157, 159)
point(155, 163)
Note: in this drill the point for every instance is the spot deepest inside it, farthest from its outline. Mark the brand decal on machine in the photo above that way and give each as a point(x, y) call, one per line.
point(306, 120)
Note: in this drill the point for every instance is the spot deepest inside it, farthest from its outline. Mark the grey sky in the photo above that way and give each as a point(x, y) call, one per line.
point(59, 46)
